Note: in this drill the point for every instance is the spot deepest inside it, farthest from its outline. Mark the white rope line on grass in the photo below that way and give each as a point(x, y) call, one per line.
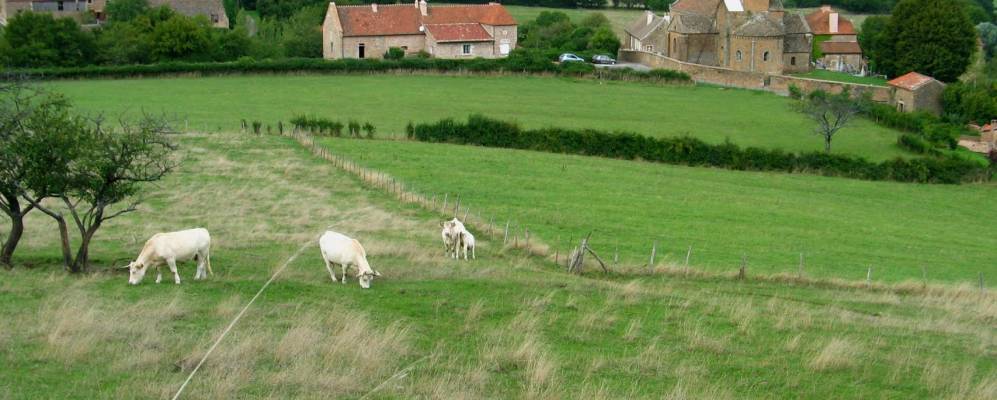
point(239, 316)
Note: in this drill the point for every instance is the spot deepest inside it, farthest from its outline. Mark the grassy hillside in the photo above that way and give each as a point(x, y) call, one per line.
point(713, 114)
point(503, 326)
point(842, 226)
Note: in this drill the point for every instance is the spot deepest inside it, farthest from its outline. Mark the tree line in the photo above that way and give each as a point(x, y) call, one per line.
point(81, 171)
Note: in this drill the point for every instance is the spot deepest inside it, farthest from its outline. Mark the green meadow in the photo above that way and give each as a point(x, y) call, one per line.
point(842, 227)
point(714, 114)
point(503, 326)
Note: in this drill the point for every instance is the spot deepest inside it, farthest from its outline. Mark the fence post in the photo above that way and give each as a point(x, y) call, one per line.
point(654, 251)
point(743, 271)
point(505, 237)
point(443, 210)
point(527, 234)
point(688, 255)
point(868, 277)
point(799, 270)
point(924, 277)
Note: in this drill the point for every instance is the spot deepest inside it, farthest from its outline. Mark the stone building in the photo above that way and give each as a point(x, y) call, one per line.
point(93, 10)
point(915, 92)
point(838, 41)
point(744, 35)
point(450, 31)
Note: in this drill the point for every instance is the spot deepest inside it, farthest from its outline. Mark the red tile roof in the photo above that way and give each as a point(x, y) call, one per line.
point(910, 81)
point(820, 23)
point(701, 7)
point(840, 48)
point(405, 19)
point(458, 32)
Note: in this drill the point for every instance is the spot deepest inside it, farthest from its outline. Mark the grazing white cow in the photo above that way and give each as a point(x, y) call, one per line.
point(338, 248)
point(467, 241)
point(169, 248)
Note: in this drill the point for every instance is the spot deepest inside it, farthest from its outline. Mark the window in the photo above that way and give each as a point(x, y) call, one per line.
point(404, 48)
point(648, 48)
point(792, 61)
point(765, 56)
point(465, 49)
point(214, 18)
point(738, 55)
point(360, 50)
point(900, 106)
point(60, 6)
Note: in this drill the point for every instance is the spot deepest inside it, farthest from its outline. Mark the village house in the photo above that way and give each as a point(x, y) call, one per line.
point(837, 41)
point(986, 142)
point(743, 35)
point(915, 92)
point(447, 31)
point(93, 10)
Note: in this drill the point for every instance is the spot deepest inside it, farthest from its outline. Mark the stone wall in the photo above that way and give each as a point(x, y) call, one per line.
point(751, 80)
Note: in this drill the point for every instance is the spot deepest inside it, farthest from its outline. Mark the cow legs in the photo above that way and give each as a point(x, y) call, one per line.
point(173, 268)
point(344, 273)
point(473, 257)
point(159, 273)
point(200, 273)
point(328, 266)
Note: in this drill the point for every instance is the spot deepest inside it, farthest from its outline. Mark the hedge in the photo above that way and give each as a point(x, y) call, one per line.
point(520, 62)
point(483, 131)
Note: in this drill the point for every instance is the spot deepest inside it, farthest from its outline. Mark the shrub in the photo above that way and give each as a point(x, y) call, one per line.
point(483, 131)
point(354, 128)
point(394, 53)
point(369, 129)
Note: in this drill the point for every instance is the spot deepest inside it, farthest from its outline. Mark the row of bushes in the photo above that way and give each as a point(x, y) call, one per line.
point(925, 133)
point(488, 132)
point(522, 63)
point(328, 127)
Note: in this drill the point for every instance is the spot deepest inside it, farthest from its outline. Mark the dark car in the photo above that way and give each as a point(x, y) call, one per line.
point(603, 59)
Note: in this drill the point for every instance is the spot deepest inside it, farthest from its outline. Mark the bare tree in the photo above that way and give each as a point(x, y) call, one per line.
point(831, 112)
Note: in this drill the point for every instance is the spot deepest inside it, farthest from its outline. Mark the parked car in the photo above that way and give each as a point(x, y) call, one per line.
point(568, 57)
point(603, 59)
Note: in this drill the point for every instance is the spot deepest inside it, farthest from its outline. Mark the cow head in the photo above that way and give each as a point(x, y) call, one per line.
point(367, 277)
point(136, 271)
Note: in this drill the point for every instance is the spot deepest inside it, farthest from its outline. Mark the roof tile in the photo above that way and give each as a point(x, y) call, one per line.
point(910, 81)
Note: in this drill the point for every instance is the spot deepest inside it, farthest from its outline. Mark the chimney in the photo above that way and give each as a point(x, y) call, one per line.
point(423, 8)
point(650, 17)
point(373, 7)
point(825, 8)
point(833, 21)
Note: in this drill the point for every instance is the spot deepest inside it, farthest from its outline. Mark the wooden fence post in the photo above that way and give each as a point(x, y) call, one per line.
point(743, 271)
point(527, 234)
point(654, 251)
point(688, 255)
point(443, 210)
point(799, 269)
point(505, 237)
point(868, 277)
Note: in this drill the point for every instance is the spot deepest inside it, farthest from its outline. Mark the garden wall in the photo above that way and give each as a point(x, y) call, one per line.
point(751, 80)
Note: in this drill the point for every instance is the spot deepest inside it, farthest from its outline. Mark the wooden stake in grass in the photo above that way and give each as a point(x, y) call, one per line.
point(466, 211)
point(505, 237)
point(443, 209)
point(743, 271)
point(799, 269)
point(616, 254)
point(924, 277)
point(688, 255)
point(868, 277)
point(654, 251)
point(526, 233)
point(456, 207)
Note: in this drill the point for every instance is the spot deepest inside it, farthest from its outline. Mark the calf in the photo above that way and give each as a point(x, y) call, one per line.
point(338, 248)
point(467, 242)
point(169, 248)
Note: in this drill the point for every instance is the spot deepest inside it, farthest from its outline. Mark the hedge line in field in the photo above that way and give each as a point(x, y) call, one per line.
point(483, 131)
point(531, 63)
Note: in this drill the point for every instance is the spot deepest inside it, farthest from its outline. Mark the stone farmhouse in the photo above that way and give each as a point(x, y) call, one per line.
point(82, 10)
point(743, 35)
point(915, 92)
point(837, 41)
point(448, 31)
point(986, 142)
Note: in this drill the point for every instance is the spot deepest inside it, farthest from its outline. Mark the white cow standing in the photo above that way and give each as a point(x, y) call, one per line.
point(170, 248)
point(467, 242)
point(338, 248)
point(451, 236)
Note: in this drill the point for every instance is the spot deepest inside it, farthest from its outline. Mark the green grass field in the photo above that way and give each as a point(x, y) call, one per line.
point(503, 326)
point(713, 114)
point(843, 77)
point(842, 226)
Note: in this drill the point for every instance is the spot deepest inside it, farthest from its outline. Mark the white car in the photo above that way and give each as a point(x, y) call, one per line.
point(568, 57)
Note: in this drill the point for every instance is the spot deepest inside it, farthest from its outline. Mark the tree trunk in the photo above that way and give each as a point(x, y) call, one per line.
point(82, 261)
point(16, 231)
point(827, 144)
point(67, 255)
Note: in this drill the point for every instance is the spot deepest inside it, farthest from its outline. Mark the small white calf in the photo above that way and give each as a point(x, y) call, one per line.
point(338, 248)
point(169, 248)
point(467, 240)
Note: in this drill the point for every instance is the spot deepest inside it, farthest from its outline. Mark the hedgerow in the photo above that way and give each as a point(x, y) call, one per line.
point(483, 131)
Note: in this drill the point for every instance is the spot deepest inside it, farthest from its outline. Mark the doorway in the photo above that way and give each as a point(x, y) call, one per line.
point(360, 51)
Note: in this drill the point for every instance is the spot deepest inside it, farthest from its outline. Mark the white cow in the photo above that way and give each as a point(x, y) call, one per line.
point(467, 242)
point(169, 248)
point(451, 236)
point(338, 248)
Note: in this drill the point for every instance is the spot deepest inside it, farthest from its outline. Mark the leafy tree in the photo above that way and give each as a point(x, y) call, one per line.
point(123, 43)
point(591, 3)
point(38, 40)
point(988, 34)
point(604, 40)
point(125, 10)
point(872, 38)
point(975, 102)
point(231, 10)
point(178, 38)
point(934, 37)
point(302, 33)
point(394, 53)
point(658, 5)
point(830, 112)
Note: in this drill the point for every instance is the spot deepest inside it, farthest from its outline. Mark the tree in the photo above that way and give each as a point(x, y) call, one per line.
point(933, 37)
point(179, 37)
point(125, 10)
point(39, 40)
point(831, 112)
point(604, 40)
point(108, 168)
point(874, 44)
point(988, 34)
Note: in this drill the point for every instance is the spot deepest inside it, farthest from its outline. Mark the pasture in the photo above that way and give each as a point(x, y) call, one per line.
point(504, 326)
point(714, 114)
point(842, 226)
